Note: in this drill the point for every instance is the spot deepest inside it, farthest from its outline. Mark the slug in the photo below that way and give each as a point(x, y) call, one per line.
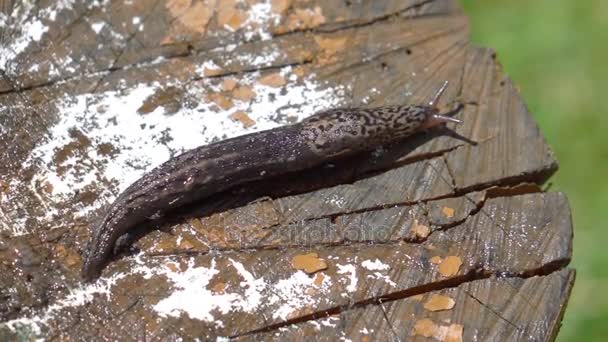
point(207, 170)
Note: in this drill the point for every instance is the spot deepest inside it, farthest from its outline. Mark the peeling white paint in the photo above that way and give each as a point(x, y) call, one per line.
point(98, 26)
point(192, 297)
point(292, 295)
point(352, 278)
point(384, 277)
point(375, 265)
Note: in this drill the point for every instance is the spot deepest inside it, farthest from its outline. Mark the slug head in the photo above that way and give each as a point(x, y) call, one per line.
point(412, 119)
point(432, 117)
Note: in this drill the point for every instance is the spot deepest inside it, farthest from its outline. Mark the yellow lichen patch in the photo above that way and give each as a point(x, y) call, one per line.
point(439, 303)
point(243, 118)
point(192, 18)
point(436, 260)
point(420, 231)
point(221, 100)
point(309, 263)
point(448, 212)
point(243, 93)
point(425, 327)
point(454, 333)
point(212, 71)
point(330, 47)
point(229, 84)
point(450, 266)
point(273, 80)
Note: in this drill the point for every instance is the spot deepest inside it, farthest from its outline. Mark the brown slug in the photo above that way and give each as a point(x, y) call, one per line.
point(207, 170)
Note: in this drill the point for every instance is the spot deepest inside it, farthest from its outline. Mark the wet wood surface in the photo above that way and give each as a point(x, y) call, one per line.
point(448, 236)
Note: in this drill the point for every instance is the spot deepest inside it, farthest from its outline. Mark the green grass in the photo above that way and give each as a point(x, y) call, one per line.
point(556, 51)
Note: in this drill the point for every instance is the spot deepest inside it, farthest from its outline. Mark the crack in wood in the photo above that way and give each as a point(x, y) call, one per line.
point(494, 312)
point(472, 275)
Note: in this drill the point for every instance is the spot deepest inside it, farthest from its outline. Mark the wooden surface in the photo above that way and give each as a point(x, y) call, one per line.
point(94, 94)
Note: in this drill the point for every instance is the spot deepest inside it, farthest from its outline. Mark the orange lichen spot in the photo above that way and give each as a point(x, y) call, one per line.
point(237, 20)
point(243, 118)
point(219, 288)
point(309, 263)
point(273, 80)
point(212, 72)
point(225, 10)
point(454, 333)
point(47, 187)
point(436, 260)
point(220, 100)
point(229, 84)
point(304, 18)
point(243, 93)
point(192, 18)
point(299, 71)
point(450, 266)
point(70, 257)
point(319, 278)
point(420, 231)
point(448, 212)
point(425, 327)
point(439, 303)
point(330, 47)
point(173, 267)
point(4, 187)
point(229, 15)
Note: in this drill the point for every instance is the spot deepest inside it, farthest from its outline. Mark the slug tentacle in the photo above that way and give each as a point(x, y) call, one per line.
point(218, 167)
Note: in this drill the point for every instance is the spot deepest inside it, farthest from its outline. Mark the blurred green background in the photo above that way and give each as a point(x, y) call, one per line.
point(556, 51)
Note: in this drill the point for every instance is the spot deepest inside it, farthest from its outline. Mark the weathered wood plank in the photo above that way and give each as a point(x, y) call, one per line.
point(104, 91)
point(357, 274)
point(489, 310)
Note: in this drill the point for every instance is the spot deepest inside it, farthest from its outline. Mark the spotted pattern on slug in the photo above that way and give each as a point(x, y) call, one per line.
point(338, 131)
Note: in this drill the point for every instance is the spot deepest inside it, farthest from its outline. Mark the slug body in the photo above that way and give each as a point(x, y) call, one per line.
point(207, 170)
